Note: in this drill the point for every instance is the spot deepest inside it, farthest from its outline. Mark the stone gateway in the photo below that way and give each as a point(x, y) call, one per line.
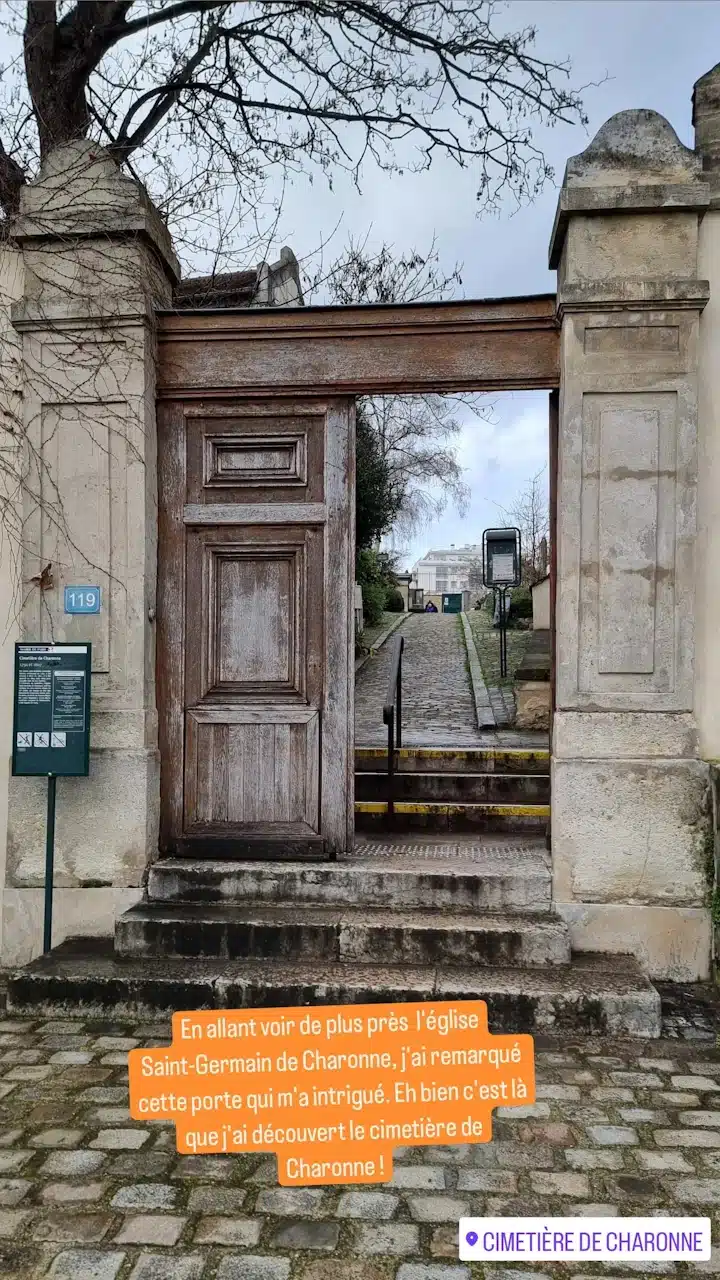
point(198, 467)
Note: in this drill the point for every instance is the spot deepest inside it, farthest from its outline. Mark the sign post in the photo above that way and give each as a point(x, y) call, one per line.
point(502, 566)
point(51, 730)
point(49, 862)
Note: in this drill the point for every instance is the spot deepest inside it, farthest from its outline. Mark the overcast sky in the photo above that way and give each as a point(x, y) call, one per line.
point(652, 52)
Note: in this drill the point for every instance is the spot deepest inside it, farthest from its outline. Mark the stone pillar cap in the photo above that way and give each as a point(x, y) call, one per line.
point(709, 86)
point(635, 163)
point(706, 122)
point(81, 192)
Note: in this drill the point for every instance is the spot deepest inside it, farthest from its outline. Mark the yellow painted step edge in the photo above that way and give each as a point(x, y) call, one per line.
point(492, 810)
point(474, 753)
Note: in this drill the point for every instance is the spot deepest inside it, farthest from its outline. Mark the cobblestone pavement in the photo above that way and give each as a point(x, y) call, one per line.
point(438, 707)
point(87, 1194)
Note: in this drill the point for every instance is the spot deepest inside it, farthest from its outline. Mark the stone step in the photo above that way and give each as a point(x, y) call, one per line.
point(510, 878)
point(451, 760)
point(594, 994)
point(436, 815)
point(346, 935)
point(488, 788)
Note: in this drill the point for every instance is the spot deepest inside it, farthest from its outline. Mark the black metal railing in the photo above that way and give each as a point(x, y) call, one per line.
point(392, 717)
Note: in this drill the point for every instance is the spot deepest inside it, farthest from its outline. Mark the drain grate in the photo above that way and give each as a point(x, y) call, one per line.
point(510, 852)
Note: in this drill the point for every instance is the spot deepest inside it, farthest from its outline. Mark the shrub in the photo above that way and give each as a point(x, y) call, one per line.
point(394, 602)
point(374, 595)
point(520, 607)
point(375, 572)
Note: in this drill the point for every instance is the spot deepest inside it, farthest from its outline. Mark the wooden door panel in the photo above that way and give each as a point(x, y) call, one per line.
point(258, 457)
point(254, 639)
point(255, 620)
point(254, 603)
point(252, 769)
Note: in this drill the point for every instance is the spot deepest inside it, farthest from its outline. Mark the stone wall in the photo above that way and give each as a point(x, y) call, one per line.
point(706, 117)
point(714, 853)
point(541, 605)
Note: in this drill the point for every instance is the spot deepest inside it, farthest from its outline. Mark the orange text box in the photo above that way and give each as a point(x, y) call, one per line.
point(332, 1089)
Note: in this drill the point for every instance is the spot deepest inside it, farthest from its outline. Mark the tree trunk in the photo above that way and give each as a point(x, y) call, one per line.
point(56, 73)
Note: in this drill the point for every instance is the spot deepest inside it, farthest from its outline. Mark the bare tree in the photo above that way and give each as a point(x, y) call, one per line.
point(206, 100)
point(530, 513)
point(417, 435)
point(360, 274)
point(215, 106)
point(475, 578)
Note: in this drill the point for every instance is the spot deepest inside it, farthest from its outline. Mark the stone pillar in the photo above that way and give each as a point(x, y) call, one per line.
point(97, 260)
point(631, 838)
point(11, 289)
point(706, 118)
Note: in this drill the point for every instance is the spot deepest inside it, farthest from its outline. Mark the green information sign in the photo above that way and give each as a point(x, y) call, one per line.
point(51, 726)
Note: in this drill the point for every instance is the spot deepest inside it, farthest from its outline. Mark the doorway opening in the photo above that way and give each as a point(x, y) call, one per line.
point(451, 751)
point(256, 676)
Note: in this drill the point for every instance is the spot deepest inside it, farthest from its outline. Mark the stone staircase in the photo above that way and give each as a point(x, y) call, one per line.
point(398, 920)
point(440, 789)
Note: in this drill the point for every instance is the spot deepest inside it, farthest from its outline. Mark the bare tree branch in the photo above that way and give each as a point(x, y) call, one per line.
point(12, 181)
point(169, 13)
point(126, 143)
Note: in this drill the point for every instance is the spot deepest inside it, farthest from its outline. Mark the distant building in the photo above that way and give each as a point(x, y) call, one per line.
point(449, 569)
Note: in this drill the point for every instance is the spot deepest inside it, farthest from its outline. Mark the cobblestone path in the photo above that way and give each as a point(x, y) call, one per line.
point(438, 707)
point(89, 1194)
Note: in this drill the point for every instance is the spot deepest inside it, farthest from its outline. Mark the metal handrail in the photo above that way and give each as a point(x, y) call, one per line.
point(393, 722)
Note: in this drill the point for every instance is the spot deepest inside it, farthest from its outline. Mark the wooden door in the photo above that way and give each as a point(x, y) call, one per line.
point(255, 627)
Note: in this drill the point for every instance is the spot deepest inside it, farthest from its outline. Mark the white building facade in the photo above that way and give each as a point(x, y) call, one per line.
point(449, 569)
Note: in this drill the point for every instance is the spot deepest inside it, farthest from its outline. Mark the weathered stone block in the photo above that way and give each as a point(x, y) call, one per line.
point(374, 1206)
point(392, 1238)
point(322, 1236)
point(91, 851)
point(242, 1232)
point(671, 943)
point(96, 1264)
point(532, 702)
point(145, 1196)
point(630, 831)
point(437, 1208)
point(612, 1135)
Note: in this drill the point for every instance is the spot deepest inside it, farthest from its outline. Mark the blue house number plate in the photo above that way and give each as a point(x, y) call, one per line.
point(82, 599)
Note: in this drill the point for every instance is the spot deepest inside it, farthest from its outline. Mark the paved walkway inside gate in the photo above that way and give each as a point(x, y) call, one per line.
point(438, 709)
point(619, 1127)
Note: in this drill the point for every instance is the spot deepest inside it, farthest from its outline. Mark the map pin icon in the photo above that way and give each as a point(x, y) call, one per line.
point(472, 1238)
